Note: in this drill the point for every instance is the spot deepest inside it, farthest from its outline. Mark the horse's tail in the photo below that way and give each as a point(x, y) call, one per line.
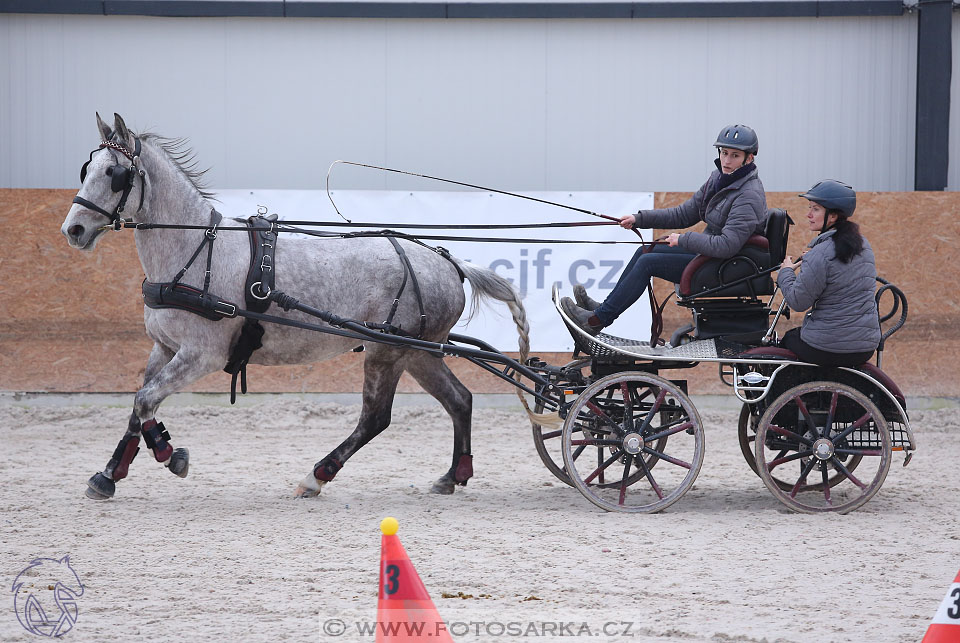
point(487, 283)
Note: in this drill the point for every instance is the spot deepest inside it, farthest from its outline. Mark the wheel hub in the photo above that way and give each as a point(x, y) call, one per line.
point(823, 449)
point(633, 443)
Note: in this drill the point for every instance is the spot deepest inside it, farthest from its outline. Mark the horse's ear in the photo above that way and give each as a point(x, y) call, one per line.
point(122, 132)
point(105, 132)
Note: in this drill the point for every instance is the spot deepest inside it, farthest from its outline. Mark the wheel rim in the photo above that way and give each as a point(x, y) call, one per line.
point(632, 442)
point(813, 437)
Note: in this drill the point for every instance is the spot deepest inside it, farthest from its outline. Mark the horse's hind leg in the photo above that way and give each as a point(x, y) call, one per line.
point(437, 380)
point(381, 373)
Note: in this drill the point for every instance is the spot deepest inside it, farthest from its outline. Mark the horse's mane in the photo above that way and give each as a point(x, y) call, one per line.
point(183, 158)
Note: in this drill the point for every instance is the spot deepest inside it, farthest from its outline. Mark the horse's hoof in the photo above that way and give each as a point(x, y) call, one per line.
point(100, 487)
point(443, 487)
point(309, 487)
point(179, 463)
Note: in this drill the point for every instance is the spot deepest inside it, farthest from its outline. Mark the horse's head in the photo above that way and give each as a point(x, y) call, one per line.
point(109, 178)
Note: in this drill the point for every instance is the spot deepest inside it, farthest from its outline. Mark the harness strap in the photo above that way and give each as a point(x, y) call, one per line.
point(93, 206)
point(407, 270)
point(208, 238)
point(257, 288)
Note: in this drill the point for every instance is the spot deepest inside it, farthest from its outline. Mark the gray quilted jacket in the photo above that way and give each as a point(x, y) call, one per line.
point(732, 215)
point(843, 312)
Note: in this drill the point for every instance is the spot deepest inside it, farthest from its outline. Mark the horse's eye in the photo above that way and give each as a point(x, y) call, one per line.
point(110, 171)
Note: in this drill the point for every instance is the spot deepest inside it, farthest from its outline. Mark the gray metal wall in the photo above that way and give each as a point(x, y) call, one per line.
point(515, 104)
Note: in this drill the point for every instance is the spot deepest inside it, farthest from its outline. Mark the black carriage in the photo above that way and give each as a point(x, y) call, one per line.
point(821, 439)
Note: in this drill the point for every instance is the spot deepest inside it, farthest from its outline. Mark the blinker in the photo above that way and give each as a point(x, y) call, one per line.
point(119, 177)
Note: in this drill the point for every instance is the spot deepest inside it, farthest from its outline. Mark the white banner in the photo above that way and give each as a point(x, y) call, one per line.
point(532, 267)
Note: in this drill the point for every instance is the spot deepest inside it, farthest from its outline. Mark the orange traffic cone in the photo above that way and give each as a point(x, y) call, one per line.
point(404, 609)
point(945, 626)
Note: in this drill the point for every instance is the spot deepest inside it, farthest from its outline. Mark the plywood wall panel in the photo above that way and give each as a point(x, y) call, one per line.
point(73, 321)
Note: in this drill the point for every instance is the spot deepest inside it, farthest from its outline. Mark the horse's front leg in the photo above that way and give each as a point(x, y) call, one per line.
point(166, 373)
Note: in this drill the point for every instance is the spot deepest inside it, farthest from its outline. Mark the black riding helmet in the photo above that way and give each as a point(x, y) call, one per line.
point(833, 195)
point(738, 137)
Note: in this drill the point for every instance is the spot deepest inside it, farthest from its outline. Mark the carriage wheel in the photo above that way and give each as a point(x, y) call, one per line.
point(547, 440)
point(747, 432)
point(615, 446)
point(549, 445)
point(821, 431)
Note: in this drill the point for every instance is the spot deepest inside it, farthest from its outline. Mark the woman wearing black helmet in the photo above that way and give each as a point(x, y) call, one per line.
point(731, 202)
point(837, 283)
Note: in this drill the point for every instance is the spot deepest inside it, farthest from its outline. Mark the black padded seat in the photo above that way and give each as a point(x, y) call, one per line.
point(760, 253)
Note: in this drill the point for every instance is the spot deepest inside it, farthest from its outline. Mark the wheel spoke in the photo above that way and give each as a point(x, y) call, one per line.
point(790, 458)
point(853, 427)
point(653, 409)
point(627, 407)
point(600, 469)
point(842, 469)
point(596, 442)
point(806, 414)
point(549, 435)
point(790, 434)
point(623, 482)
point(828, 425)
point(860, 451)
point(825, 475)
point(803, 478)
point(646, 471)
point(663, 434)
point(670, 459)
point(603, 416)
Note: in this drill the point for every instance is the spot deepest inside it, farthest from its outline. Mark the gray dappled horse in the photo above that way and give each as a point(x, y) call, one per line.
point(355, 278)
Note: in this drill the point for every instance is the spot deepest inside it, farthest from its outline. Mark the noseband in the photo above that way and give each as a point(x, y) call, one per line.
point(121, 180)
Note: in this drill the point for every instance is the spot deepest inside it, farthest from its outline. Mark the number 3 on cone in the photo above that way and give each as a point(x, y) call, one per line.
point(392, 585)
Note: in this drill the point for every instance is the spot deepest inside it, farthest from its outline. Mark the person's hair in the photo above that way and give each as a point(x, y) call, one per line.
point(847, 241)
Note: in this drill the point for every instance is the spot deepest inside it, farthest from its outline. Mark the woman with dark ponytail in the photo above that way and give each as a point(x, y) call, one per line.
point(837, 283)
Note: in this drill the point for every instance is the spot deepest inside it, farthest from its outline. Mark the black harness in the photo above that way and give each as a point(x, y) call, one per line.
point(122, 179)
point(260, 282)
point(256, 290)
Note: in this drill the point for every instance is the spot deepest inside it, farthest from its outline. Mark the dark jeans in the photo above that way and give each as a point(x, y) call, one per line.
point(662, 261)
point(792, 341)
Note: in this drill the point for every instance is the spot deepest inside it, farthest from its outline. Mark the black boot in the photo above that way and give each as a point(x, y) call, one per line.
point(584, 319)
point(583, 299)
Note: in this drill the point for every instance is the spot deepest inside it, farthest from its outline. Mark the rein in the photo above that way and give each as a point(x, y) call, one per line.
point(293, 227)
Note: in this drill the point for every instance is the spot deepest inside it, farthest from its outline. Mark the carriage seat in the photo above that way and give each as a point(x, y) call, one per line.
point(759, 253)
point(770, 351)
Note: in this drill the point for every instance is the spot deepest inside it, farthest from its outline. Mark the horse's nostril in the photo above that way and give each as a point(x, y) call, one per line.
point(75, 231)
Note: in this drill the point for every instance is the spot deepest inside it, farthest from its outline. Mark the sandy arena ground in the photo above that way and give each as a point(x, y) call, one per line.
point(228, 554)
